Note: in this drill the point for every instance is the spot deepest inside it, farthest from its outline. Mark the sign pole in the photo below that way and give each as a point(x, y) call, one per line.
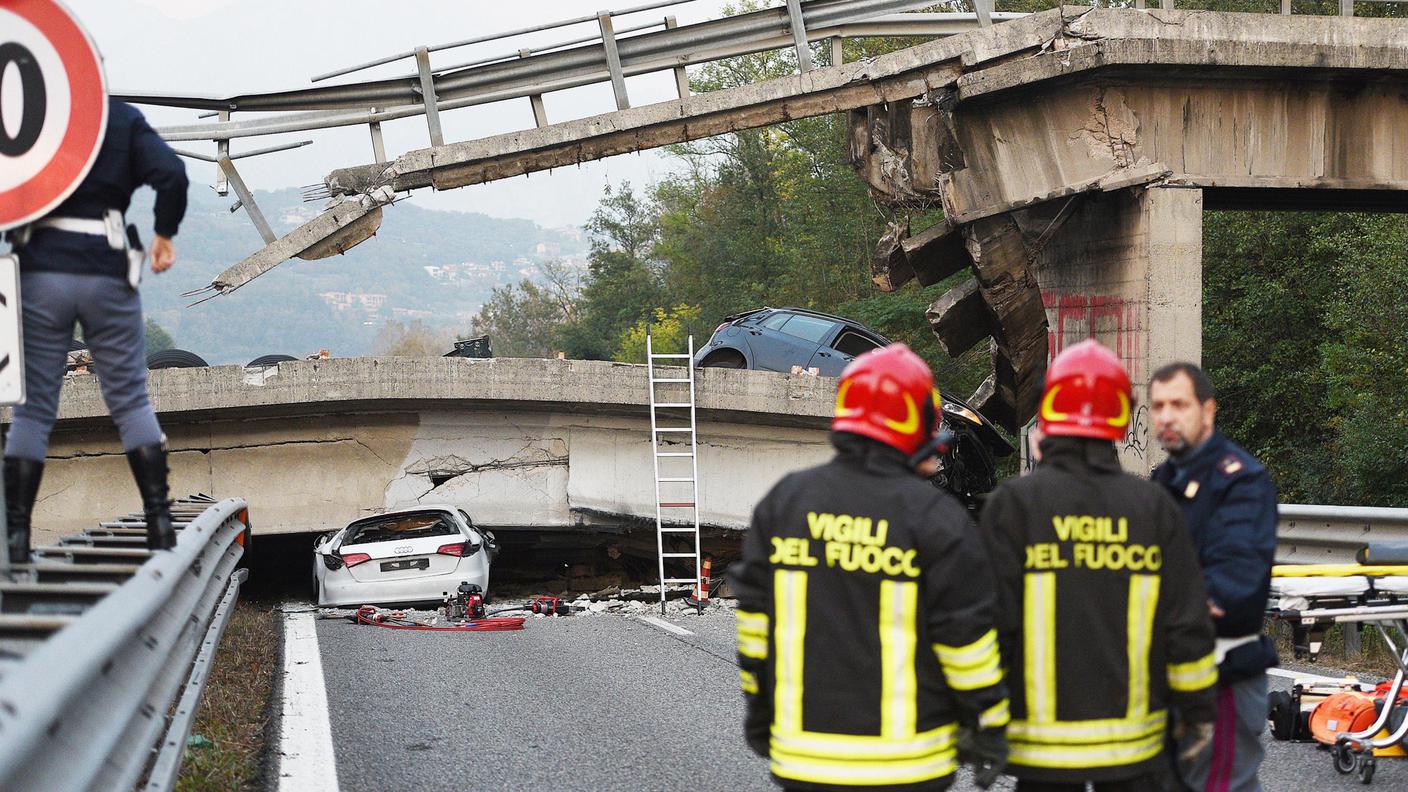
point(52, 77)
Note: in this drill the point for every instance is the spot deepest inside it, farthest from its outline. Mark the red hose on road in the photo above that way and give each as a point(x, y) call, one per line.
point(396, 620)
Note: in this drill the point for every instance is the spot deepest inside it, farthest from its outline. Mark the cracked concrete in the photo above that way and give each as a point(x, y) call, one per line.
point(1112, 129)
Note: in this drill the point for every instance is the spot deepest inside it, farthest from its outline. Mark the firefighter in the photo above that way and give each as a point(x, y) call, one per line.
point(1102, 615)
point(1229, 502)
point(77, 266)
point(866, 646)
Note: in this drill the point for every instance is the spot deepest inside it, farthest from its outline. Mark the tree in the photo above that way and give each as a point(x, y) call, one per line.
point(668, 330)
point(524, 320)
point(409, 340)
point(622, 282)
point(156, 338)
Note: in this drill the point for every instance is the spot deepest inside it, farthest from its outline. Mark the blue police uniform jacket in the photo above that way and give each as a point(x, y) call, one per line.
point(1229, 504)
point(132, 155)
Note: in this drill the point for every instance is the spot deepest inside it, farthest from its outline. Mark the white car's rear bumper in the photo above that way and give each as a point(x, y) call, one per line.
point(340, 590)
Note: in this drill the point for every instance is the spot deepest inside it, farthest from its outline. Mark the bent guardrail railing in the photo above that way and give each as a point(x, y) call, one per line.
point(95, 649)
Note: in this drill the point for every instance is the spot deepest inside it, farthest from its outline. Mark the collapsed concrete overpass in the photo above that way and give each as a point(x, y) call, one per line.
point(1072, 150)
point(517, 443)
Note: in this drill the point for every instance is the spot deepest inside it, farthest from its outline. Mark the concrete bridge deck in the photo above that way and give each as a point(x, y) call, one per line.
point(517, 443)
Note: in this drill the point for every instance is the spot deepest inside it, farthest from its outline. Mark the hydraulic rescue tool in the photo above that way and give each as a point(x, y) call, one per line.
point(550, 606)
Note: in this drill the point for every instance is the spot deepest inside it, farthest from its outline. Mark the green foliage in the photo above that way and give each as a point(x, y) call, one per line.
point(156, 338)
point(1304, 339)
point(668, 332)
point(622, 280)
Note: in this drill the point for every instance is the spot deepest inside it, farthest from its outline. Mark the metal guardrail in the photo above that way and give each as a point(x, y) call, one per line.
point(99, 636)
point(537, 73)
point(1312, 534)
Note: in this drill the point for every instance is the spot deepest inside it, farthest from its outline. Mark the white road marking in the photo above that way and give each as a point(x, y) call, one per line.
point(306, 762)
point(666, 626)
point(1282, 672)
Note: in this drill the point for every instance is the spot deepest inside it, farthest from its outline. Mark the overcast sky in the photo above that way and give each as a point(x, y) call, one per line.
point(235, 46)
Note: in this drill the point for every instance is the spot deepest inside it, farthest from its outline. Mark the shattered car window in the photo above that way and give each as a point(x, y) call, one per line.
point(399, 528)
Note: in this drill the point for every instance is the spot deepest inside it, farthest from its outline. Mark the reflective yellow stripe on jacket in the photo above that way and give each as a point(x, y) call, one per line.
point(976, 665)
point(752, 634)
point(1089, 743)
point(1193, 676)
point(1041, 739)
point(899, 754)
point(864, 760)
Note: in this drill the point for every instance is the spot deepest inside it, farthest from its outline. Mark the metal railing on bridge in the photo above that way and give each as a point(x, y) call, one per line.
point(105, 647)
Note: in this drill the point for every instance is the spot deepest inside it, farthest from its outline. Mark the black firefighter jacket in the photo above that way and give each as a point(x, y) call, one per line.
point(865, 626)
point(1103, 616)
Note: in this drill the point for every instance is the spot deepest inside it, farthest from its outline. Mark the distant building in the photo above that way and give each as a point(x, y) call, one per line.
point(343, 301)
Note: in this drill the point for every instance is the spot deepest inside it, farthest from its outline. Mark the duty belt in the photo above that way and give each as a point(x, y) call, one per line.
point(112, 226)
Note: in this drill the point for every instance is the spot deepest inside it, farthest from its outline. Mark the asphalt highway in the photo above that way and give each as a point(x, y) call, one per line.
point(591, 702)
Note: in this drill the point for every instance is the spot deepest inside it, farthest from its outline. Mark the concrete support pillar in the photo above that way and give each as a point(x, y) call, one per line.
point(1126, 269)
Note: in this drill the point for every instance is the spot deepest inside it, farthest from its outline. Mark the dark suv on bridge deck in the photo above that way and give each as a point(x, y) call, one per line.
point(776, 339)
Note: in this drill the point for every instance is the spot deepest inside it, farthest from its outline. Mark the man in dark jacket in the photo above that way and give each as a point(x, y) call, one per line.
point(865, 623)
point(76, 266)
point(1101, 607)
point(1229, 502)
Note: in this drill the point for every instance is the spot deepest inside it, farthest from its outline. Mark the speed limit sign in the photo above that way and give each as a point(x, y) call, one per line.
point(53, 107)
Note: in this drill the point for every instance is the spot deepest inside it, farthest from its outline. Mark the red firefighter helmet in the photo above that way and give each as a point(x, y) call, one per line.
point(1087, 394)
point(888, 395)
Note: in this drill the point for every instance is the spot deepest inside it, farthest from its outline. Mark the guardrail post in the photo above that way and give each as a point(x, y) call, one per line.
point(799, 35)
point(1346, 7)
point(983, 8)
point(540, 111)
point(1140, 4)
point(222, 149)
point(681, 77)
point(838, 53)
point(613, 59)
point(247, 198)
point(1353, 649)
point(427, 96)
point(1166, 5)
point(1286, 7)
point(378, 147)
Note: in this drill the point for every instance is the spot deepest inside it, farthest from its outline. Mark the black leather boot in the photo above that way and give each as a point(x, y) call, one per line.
point(149, 468)
point(21, 487)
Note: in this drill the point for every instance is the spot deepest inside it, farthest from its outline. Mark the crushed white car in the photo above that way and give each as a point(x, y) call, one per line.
point(418, 554)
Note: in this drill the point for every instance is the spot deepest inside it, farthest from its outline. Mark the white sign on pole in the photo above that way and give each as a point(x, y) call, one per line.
point(11, 333)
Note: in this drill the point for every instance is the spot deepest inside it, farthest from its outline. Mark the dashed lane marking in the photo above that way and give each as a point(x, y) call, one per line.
point(664, 625)
point(307, 762)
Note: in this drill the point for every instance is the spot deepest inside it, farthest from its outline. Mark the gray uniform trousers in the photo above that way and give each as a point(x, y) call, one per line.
point(1230, 764)
point(110, 312)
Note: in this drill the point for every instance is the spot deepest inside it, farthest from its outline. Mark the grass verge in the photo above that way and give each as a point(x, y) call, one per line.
point(236, 707)
point(1374, 658)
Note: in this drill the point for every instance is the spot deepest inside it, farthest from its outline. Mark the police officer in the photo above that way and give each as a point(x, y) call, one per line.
point(1102, 618)
point(865, 623)
point(1229, 502)
point(75, 267)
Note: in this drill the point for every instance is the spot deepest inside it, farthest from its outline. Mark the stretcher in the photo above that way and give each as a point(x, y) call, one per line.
point(1314, 597)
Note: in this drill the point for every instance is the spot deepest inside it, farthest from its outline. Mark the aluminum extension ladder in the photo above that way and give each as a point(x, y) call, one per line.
point(683, 490)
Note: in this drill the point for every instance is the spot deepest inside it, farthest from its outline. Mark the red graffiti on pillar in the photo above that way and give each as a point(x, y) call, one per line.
point(1115, 322)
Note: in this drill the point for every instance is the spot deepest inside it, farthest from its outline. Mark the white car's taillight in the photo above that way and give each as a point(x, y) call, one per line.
point(353, 559)
point(456, 550)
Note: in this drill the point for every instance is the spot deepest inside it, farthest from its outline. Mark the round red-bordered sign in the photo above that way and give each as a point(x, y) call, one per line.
point(61, 103)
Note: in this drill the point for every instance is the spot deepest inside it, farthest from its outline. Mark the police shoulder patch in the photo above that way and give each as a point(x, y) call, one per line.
point(1230, 465)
